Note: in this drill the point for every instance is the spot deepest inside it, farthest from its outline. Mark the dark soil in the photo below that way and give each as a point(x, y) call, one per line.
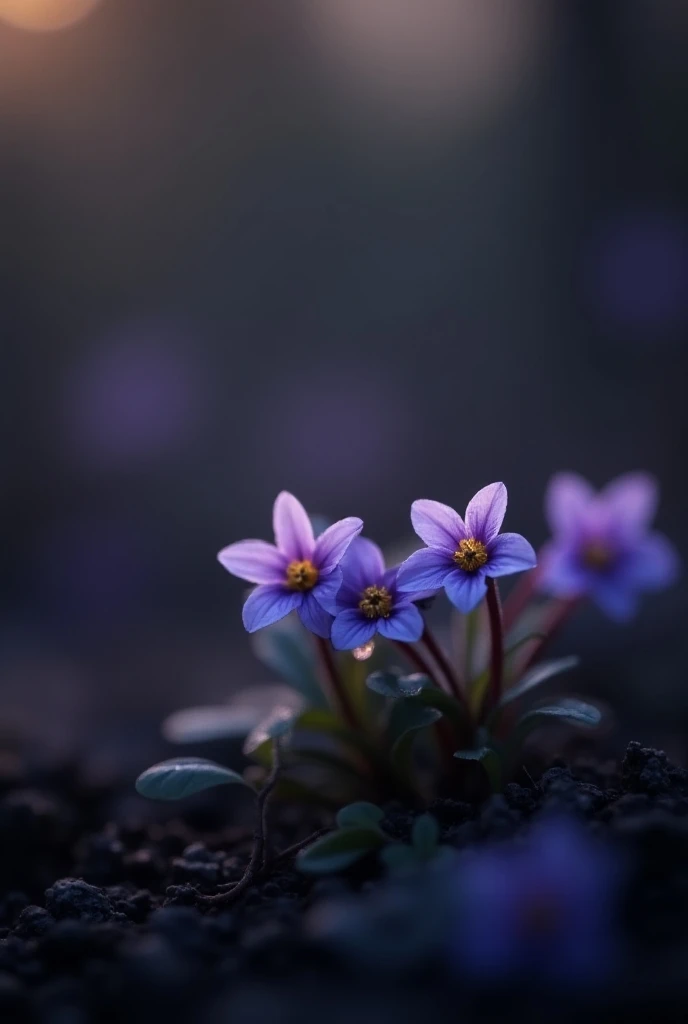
point(100, 921)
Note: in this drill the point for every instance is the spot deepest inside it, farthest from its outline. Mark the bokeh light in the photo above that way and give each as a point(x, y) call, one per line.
point(432, 58)
point(45, 15)
point(637, 275)
point(136, 395)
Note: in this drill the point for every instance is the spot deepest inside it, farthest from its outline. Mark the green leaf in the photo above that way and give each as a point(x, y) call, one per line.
point(236, 718)
point(425, 835)
point(568, 711)
point(285, 648)
point(339, 850)
point(407, 719)
point(445, 704)
point(388, 684)
point(360, 814)
point(489, 759)
point(536, 676)
point(203, 724)
point(183, 776)
point(399, 857)
point(277, 725)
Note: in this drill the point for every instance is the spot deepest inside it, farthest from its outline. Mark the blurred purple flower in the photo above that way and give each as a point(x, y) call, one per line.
point(369, 603)
point(461, 555)
point(136, 395)
point(297, 572)
point(544, 909)
point(602, 546)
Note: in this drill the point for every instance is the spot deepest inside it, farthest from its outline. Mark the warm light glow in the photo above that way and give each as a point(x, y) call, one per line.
point(364, 652)
point(45, 15)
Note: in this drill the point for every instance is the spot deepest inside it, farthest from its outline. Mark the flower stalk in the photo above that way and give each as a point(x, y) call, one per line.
point(494, 607)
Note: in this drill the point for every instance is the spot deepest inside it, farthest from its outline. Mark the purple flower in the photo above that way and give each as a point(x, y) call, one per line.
point(369, 602)
point(544, 909)
point(297, 572)
point(461, 555)
point(602, 546)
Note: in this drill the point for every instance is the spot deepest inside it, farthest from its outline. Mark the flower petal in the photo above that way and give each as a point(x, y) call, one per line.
point(426, 569)
point(437, 524)
point(314, 616)
point(510, 552)
point(351, 629)
point(654, 565)
point(266, 605)
point(363, 564)
point(486, 511)
point(567, 499)
point(326, 590)
point(630, 501)
point(615, 598)
point(331, 545)
point(560, 571)
point(255, 561)
point(465, 590)
point(405, 623)
point(292, 526)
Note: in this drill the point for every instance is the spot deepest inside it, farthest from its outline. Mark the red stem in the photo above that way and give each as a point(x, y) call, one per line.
point(519, 598)
point(417, 659)
point(338, 694)
point(560, 614)
point(494, 607)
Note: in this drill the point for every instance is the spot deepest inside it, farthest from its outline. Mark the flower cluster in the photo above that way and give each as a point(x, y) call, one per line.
point(338, 582)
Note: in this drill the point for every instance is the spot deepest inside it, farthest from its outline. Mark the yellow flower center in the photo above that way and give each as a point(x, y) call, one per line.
point(597, 556)
point(302, 575)
point(376, 603)
point(470, 555)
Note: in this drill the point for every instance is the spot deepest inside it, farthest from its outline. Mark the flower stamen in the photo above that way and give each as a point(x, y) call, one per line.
point(470, 555)
point(376, 603)
point(597, 556)
point(302, 575)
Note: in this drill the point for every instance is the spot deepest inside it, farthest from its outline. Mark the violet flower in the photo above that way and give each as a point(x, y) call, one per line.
point(369, 602)
point(602, 545)
point(297, 572)
point(544, 909)
point(460, 556)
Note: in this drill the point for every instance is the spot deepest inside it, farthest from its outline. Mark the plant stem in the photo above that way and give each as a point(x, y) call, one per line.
point(417, 659)
point(494, 607)
point(255, 864)
point(455, 687)
point(338, 694)
point(519, 598)
point(560, 613)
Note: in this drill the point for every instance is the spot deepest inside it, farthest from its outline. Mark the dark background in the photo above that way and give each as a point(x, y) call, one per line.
point(366, 250)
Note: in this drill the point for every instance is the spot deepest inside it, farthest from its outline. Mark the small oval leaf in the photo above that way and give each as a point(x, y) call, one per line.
point(425, 835)
point(279, 723)
point(569, 711)
point(242, 713)
point(360, 814)
point(489, 759)
point(182, 776)
point(388, 684)
point(338, 850)
point(399, 857)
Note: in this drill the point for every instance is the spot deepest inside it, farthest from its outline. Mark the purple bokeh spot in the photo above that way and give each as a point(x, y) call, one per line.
point(638, 271)
point(136, 395)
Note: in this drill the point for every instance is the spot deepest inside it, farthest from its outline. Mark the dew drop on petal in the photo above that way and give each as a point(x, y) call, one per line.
point(364, 652)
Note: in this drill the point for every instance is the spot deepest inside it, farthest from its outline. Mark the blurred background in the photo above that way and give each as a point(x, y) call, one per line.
point(365, 250)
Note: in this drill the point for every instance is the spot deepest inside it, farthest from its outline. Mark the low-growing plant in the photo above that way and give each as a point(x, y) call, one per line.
point(373, 706)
